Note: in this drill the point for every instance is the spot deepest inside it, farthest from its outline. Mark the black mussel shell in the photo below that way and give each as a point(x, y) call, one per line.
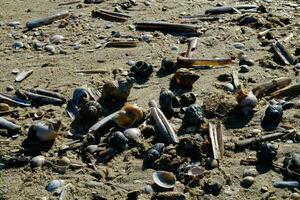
point(142, 69)
point(79, 94)
point(155, 152)
point(193, 115)
point(91, 110)
point(119, 141)
point(187, 99)
point(267, 153)
point(168, 101)
point(272, 117)
point(168, 65)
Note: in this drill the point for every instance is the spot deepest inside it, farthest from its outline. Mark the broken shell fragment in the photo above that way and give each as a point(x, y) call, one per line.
point(272, 117)
point(164, 179)
point(196, 172)
point(185, 78)
point(128, 115)
point(37, 161)
point(246, 100)
point(91, 110)
point(193, 115)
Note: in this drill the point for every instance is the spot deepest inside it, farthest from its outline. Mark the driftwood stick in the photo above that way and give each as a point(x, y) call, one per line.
point(255, 140)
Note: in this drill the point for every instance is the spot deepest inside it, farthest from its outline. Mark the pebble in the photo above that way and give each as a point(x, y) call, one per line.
point(147, 37)
point(295, 196)
point(212, 163)
point(18, 45)
point(10, 88)
point(131, 27)
point(55, 184)
point(147, 3)
point(76, 46)
point(238, 45)
point(37, 45)
point(297, 66)
point(14, 24)
point(37, 161)
point(15, 71)
point(131, 62)
point(175, 48)
point(50, 48)
point(244, 69)
point(250, 172)
point(247, 181)
point(264, 189)
point(64, 161)
point(148, 189)
point(108, 25)
point(228, 87)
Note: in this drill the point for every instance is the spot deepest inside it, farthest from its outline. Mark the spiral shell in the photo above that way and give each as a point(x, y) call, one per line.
point(129, 115)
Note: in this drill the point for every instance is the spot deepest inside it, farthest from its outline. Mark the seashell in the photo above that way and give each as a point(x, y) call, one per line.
point(54, 185)
point(196, 172)
point(79, 94)
point(193, 115)
point(185, 78)
point(23, 75)
point(119, 141)
point(246, 100)
point(46, 20)
point(132, 133)
point(64, 161)
point(91, 148)
point(44, 132)
point(5, 124)
point(168, 101)
point(15, 71)
point(164, 179)
point(155, 152)
point(38, 115)
point(267, 153)
point(272, 117)
point(4, 107)
point(18, 45)
point(168, 64)
point(117, 90)
point(91, 110)
point(37, 161)
point(142, 69)
point(93, 1)
point(56, 39)
point(187, 99)
point(128, 115)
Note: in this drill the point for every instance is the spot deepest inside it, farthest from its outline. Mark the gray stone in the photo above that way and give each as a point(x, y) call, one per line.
point(250, 172)
point(247, 181)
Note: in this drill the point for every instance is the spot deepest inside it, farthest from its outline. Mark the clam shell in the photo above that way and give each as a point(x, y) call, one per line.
point(55, 184)
point(129, 115)
point(44, 132)
point(37, 161)
point(132, 133)
point(196, 172)
point(4, 107)
point(164, 179)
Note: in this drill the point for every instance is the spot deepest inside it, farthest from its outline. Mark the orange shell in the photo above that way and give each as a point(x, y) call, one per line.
point(131, 115)
point(135, 110)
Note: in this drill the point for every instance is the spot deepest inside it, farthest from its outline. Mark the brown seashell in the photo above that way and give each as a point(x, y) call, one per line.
point(164, 179)
point(128, 115)
point(185, 78)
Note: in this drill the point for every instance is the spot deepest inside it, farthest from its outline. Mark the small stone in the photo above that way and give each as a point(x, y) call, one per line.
point(238, 45)
point(264, 189)
point(14, 24)
point(175, 48)
point(244, 69)
point(147, 3)
point(108, 25)
point(37, 45)
point(255, 132)
point(250, 172)
point(50, 48)
point(246, 61)
point(295, 196)
point(10, 88)
point(297, 66)
point(228, 87)
point(131, 27)
point(56, 39)
point(212, 163)
point(15, 71)
point(18, 45)
point(131, 63)
point(247, 181)
point(148, 189)
point(147, 37)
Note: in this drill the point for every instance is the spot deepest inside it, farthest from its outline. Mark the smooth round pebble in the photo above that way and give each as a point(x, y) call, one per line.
point(147, 37)
point(64, 161)
point(295, 196)
point(247, 181)
point(18, 45)
point(228, 87)
point(55, 39)
point(297, 66)
point(175, 48)
point(132, 133)
point(91, 148)
point(148, 189)
point(55, 184)
point(131, 62)
point(238, 45)
point(37, 161)
point(250, 172)
point(108, 25)
point(13, 24)
point(50, 48)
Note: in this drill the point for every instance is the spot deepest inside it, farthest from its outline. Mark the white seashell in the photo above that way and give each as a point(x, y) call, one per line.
point(23, 75)
point(54, 185)
point(132, 133)
point(164, 179)
point(44, 132)
point(56, 39)
point(37, 161)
